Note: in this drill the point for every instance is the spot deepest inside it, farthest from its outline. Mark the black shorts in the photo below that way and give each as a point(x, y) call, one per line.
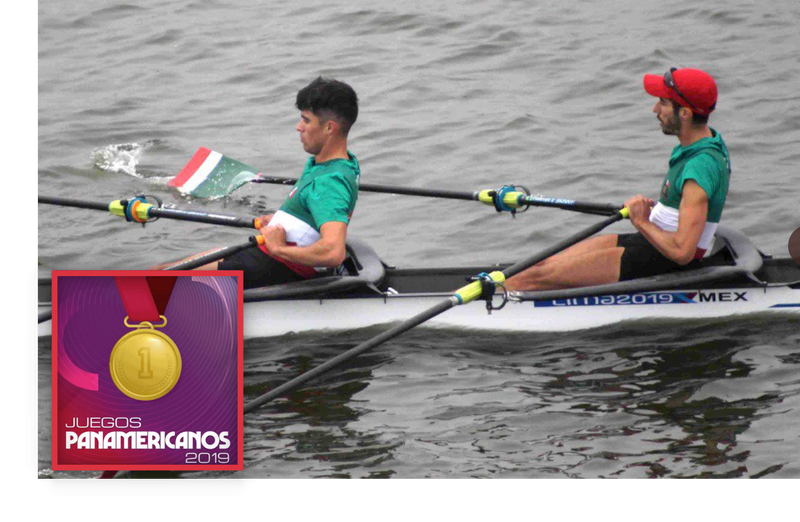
point(642, 259)
point(259, 268)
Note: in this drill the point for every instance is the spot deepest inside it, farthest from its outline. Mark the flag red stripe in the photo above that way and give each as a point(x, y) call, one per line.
point(190, 168)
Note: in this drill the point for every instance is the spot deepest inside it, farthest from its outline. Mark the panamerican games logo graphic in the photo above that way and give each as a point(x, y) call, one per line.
point(147, 370)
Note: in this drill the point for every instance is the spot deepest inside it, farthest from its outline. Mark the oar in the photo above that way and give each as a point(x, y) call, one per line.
point(210, 174)
point(506, 196)
point(464, 295)
point(216, 255)
point(139, 210)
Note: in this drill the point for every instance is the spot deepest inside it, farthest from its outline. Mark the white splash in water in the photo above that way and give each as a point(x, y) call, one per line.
point(121, 157)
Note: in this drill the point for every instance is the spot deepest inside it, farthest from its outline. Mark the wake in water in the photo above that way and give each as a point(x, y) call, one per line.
point(122, 157)
point(125, 157)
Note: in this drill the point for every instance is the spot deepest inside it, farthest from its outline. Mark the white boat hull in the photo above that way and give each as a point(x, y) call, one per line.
point(272, 318)
point(279, 317)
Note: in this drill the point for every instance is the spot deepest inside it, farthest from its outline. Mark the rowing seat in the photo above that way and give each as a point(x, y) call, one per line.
point(361, 270)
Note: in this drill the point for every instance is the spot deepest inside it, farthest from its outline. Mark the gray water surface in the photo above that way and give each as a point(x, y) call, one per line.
point(462, 96)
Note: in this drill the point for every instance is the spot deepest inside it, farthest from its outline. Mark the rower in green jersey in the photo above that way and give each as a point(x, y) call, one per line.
point(310, 229)
point(324, 197)
point(707, 163)
point(326, 191)
point(673, 233)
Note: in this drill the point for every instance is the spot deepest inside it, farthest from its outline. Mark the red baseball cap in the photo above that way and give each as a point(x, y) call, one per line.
point(691, 88)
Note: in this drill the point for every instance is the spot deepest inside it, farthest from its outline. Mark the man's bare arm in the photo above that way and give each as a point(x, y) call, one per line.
point(328, 251)
point(679, 246)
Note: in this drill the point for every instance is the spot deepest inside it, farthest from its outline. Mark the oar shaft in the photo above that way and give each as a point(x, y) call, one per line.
point(203, 217)
point(346, 356)
point(215, 255)
point(69, 202)
point(385, 189)
point(603, 209)
point(513, 199)
point(148, 211)
point(233, 174)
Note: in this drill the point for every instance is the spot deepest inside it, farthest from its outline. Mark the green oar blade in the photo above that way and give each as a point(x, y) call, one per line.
point(209, 174)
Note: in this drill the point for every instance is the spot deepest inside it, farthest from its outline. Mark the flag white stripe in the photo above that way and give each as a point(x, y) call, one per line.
point(202, 173)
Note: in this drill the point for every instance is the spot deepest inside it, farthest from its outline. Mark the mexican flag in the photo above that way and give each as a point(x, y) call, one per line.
point(209, 174)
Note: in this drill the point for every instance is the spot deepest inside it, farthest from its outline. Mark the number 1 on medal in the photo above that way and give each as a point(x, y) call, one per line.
point(144, 353)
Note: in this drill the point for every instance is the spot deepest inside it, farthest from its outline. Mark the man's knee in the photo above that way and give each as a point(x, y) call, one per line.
point(528, 278)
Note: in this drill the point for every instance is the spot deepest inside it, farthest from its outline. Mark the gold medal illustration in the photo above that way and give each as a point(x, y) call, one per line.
point(145, 364)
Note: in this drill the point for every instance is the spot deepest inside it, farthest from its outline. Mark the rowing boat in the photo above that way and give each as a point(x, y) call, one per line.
point(736, 279)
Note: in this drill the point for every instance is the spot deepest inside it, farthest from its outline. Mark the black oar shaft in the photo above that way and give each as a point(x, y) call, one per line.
point(69, 202)
point(601, 209)
point(166, 213)
point(215, 255)
point(385, 189)
point(420, 318)
point(346, 356)
point(203, 217)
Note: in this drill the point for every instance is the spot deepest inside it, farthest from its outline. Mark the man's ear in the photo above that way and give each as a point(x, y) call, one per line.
point(331, 127)
point(685, 113)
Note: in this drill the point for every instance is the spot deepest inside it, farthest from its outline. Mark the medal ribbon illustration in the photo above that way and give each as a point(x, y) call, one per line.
point(145, 298)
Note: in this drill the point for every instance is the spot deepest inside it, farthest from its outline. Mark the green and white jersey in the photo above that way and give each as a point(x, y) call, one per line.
point(707, 163)
point(325, 192)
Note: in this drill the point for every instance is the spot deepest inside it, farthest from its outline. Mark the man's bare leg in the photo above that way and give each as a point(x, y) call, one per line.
point(532, 278)
point(590, 268)
point(587, 245)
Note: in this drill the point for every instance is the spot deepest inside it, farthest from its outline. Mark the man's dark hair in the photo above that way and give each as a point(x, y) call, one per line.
point(330, 99)
point(697, 119)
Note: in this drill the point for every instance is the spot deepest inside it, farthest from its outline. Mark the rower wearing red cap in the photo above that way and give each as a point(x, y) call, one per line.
point(673, 233)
